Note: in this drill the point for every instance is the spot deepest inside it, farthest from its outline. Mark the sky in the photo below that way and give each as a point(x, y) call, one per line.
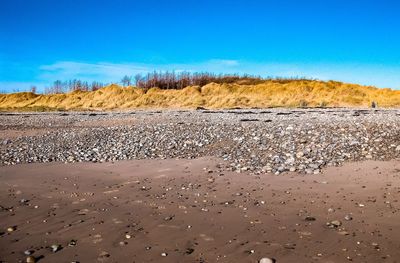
point(354, 41)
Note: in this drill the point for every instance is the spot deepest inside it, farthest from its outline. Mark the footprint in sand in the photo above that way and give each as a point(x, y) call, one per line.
point(117, 221)
point(111, 191)
point(97, 238)
point(206, 238)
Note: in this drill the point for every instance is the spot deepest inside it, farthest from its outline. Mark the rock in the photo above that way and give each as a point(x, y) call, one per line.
point(348, 217)
point(267, 260)
point(294, 145)
point(289, 246)
point(334, 224)
point(103, 255)
point(309, 171)
point(55, 247)
point(375, 245)
point(11, 229)
point(343, 233)
point(30, 259)
point(309, 218)
point(24, 201)
point(163, 254)
point(189, 251)
point(168, 218)
point(72, 243)
point(28, 252)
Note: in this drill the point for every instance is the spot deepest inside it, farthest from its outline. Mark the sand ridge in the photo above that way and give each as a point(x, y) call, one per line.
point(296, 93)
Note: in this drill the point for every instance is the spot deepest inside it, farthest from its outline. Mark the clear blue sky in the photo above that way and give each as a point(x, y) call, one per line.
point(44, 40)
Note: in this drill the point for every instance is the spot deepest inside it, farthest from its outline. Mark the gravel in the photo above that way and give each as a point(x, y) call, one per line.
point(273, 140)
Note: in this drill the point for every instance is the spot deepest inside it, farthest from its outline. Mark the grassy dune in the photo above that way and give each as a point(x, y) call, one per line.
point(296, 93)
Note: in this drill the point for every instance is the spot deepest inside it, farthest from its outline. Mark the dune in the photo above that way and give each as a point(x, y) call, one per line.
point(270, 93)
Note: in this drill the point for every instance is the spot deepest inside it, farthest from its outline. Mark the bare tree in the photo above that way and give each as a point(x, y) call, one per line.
point(33, 89)
point(138, 79)
point(126, 81)
point(96, 85)
point(57, 87)
point(171, 80)
point(167, 80)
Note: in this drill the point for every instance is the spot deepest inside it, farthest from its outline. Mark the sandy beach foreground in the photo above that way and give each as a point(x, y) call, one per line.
point(238, 185)
point(197, 211)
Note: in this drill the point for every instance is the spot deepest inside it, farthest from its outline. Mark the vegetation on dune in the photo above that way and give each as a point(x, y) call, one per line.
point(206, 90)
point(161, 80)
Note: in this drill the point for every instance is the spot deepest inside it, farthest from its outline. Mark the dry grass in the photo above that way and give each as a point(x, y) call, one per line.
point(296, 93)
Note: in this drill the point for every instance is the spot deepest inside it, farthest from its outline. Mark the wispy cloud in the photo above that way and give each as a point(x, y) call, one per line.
point(376, 75)
point(107, 72)
point(114, 71)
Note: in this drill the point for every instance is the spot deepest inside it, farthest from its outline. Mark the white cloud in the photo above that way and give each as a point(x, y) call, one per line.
point(113, 72)
point(106, 72)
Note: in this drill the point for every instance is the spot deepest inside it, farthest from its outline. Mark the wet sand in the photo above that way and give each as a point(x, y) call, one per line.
point(195, 211)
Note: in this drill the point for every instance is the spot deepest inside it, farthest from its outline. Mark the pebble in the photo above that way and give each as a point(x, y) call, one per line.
point(24, 201)
point(348, 217)
point(168, 218)
point(267, 260)
point(11, 229)
point(164, 138)
point(334, 223)
point(343, 233)
point(72, 243)
point(103, 255)
point(189, 251)
point(290, 246)
point(309, 218)
point(55, 247)
point(279, 153)
point(375, 245)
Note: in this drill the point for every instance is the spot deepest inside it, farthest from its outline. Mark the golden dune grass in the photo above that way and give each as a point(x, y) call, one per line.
point(267, 94)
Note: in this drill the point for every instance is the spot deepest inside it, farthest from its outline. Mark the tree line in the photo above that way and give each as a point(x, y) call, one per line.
point(59, 86)
point(172, 80)
point(165, 80)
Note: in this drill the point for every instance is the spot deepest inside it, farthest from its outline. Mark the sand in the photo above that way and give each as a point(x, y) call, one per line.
point(295, 93)
point(193, 211)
